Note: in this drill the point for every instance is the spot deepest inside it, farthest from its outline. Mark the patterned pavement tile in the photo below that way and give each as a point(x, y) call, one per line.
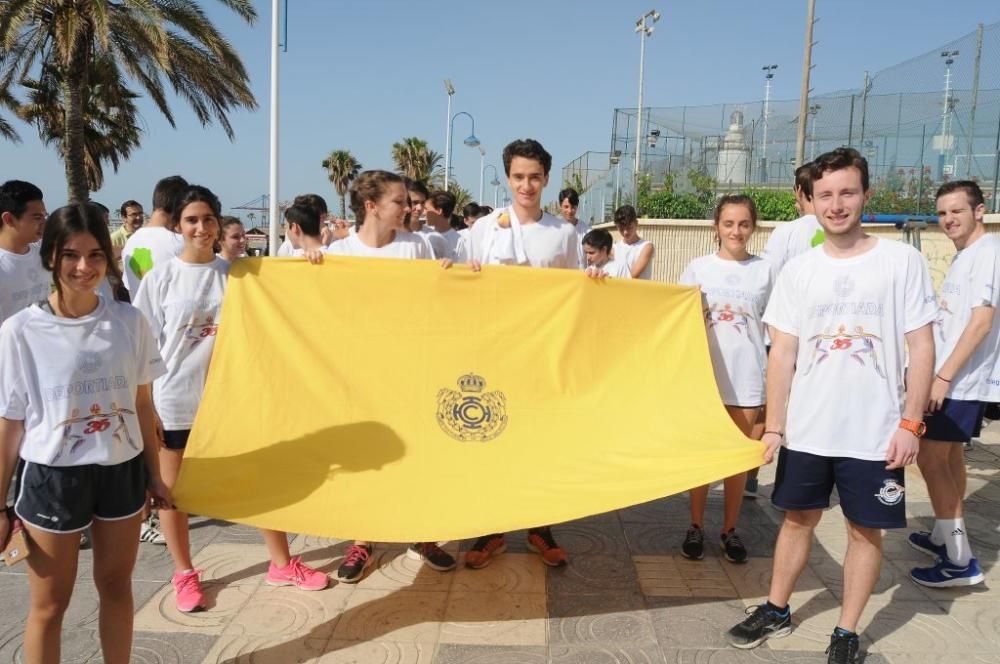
point(497, 618)
point(693, 623)
point(394, 570)
point(982, 619)
point(150, 648)
point(753, 582)
point(509, 572)
point(264, 650)
point(618, 618)
point(893, 582)
point(761, 655)
point(676, 576)
point(597, 535)
point(450, 653)
point(288, 611)
point(377, 652)
point(14, 591)
point(383, 615)
point(593, 574)
point(902, 627)
point(605, 654)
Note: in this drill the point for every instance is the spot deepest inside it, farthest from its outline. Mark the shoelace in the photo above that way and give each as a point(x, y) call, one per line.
point(695, 535)
point(355, 554)
point(189, 581)
point(758, 617)
point(841, 648)
point(297, 569)
point(548, 542)
point(734, 540)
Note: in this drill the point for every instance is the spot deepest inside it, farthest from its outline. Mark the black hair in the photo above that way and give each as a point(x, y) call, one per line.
point(68, 221)
point(127, 204)
point(314, 201)
point(625, 215)
point(528, 148)
point(305, 217)
point(570, 193)
point(971, 189)
point(803, 180)
point(457, 222)
point(444, 201)
point(15, 196)
point(417, 186)
point(838, 160)
point(598, 238)
point(736, 199)
point(471, 210)
point(167, 192)
point(195, 194)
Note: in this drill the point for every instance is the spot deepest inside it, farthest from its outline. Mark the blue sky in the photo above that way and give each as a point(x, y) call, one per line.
point(362, 75)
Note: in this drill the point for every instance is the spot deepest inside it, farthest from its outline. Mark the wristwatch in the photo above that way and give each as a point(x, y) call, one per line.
point(918, 429)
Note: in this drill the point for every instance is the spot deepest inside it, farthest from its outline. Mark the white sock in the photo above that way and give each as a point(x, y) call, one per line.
point(956, 541)
point(937, 534)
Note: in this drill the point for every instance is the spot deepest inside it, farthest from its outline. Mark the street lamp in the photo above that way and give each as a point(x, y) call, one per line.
point(768, 77)
point(813, 111)
point(450, 89)
point(495, 182)
point(471, 141)
point(644, 31)
point(949, 104)
point(482, 170)
point(615, 160)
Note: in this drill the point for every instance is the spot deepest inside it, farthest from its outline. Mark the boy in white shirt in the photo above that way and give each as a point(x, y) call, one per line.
point(792, 238)
point(443, 239)
point(303, 223)
point(597, 252)
point(633, 250)
point(841, 317)
point(23, 281)
point(156, 242)
point(968, 344)
point(523, 234)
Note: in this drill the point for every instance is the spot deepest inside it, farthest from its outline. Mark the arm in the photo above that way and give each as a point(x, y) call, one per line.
point(151, 446)
point(977, 329)
point(780, 369)
point(11, 432)
point(642, 261)
point(903, 446)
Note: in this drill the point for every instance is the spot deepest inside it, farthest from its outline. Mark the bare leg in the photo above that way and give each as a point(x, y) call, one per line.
point(748, 420)
point(699, 496)
point(51, 575)
point(936, 465)
point(957, 461)
point(861, 569)
point(277, 546)
point(175, 522)
point(791, 553)
point(116, 544)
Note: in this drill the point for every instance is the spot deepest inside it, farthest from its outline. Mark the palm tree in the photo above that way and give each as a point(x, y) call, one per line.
point(341, 167)
point(111, 129)
point(145, 40)
point(462, 196)
point(414, 160)
point(6, 129)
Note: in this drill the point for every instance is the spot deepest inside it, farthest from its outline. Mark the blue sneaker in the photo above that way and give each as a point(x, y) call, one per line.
point(946, 574)
point(921, 541)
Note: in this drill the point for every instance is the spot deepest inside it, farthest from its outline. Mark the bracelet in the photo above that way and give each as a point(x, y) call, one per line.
point(940, 377)
point(776, 433)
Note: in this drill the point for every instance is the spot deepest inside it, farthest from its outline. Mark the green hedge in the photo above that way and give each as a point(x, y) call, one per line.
point(771, 205)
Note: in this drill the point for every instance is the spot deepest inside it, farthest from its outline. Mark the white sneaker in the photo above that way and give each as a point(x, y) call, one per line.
point(150, 533)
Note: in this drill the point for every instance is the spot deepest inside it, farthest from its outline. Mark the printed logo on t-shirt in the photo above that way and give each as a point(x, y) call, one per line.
point(891, 492)
point(196, 332)
point(843, 285)
point(141, 261)
point(737, 318)
point(79, 431)
point(862, 347)
point(87, 361)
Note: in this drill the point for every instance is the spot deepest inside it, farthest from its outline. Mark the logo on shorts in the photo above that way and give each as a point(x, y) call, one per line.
point(843, 285)
point(472, 415)
point(87, 361)
point(891, 493)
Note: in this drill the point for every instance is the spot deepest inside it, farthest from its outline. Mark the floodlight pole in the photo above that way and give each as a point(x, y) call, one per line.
point(272, 203)
point(768, 78)
point(450, 89)
point(644, 31)
point(800, 139)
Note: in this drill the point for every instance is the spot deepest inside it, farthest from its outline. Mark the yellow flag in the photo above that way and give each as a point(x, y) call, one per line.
point(396, 401)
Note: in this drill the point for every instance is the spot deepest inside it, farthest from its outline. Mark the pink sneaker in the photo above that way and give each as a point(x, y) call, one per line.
point(297, 574)
point(187, 589)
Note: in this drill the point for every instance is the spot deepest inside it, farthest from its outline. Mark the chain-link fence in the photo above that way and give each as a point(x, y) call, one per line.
point(932, 118)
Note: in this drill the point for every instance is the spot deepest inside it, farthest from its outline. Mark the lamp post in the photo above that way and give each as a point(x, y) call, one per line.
point(615, 161)
point(471, 141)
point(450, 89)
point(768, 77)
point(272, 204)
point(495, 182)
point(949, 104)
point(482, 171)
point(813, 110)
point(644, 31)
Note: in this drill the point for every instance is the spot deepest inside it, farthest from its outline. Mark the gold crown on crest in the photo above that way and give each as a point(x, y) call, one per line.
point(470, 382)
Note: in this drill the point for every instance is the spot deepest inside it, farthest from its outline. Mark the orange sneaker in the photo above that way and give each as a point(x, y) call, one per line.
point(540, 541)
point(483, 550)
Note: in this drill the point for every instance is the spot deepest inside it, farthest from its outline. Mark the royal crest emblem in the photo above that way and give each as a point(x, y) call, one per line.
point(471, 414)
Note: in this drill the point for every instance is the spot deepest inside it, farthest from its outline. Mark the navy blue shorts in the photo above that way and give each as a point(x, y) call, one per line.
point(176, 440)
point(957, 422)
point(870, 495)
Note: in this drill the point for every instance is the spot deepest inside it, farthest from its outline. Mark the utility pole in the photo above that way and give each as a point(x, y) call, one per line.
point(864, 104)
point(644, 31)
point(800, 140)
point(768, 78)
point(450, 89)
point(975, 99)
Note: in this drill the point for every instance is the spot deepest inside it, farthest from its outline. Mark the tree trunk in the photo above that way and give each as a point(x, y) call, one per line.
point(343, 206)
point(73, 148)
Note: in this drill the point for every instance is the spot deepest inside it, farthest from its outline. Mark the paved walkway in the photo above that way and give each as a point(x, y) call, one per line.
point(626, 597)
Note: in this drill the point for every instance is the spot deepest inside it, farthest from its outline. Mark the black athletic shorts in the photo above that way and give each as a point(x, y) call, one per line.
point(870, 495)
point(66, 499)
point(177, 439)
point(957, 422)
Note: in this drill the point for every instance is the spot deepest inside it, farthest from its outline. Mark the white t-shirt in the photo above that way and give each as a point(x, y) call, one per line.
point(302, 252)
point(23, 280)
point(629, 254)
point(973, 280)
point(582, 228)
point(462, 246)
point(614, 269)
point(792, 238)
point(850, 316)
point(404, 245)
point(182, 302)
point(73, 382)
point(549, 242)
point(734, 295)
point(442, 244)
point(145, 249)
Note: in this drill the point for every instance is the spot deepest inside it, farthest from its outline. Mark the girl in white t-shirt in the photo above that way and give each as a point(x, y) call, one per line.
point(232, 239)
point(632, 250)
point(182, 300)
point(76, 416)
point(596, 246)
point(735, 288)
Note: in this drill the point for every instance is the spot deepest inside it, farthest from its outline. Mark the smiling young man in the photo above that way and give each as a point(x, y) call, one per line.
point(22, 218)
point(968, 344)
point(841, 317)
point(523, 234)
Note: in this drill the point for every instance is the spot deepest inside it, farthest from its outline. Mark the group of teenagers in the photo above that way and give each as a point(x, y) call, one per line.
point(860, 364)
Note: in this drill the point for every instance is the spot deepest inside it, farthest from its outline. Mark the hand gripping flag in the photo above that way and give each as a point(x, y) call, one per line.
point(396, 401)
